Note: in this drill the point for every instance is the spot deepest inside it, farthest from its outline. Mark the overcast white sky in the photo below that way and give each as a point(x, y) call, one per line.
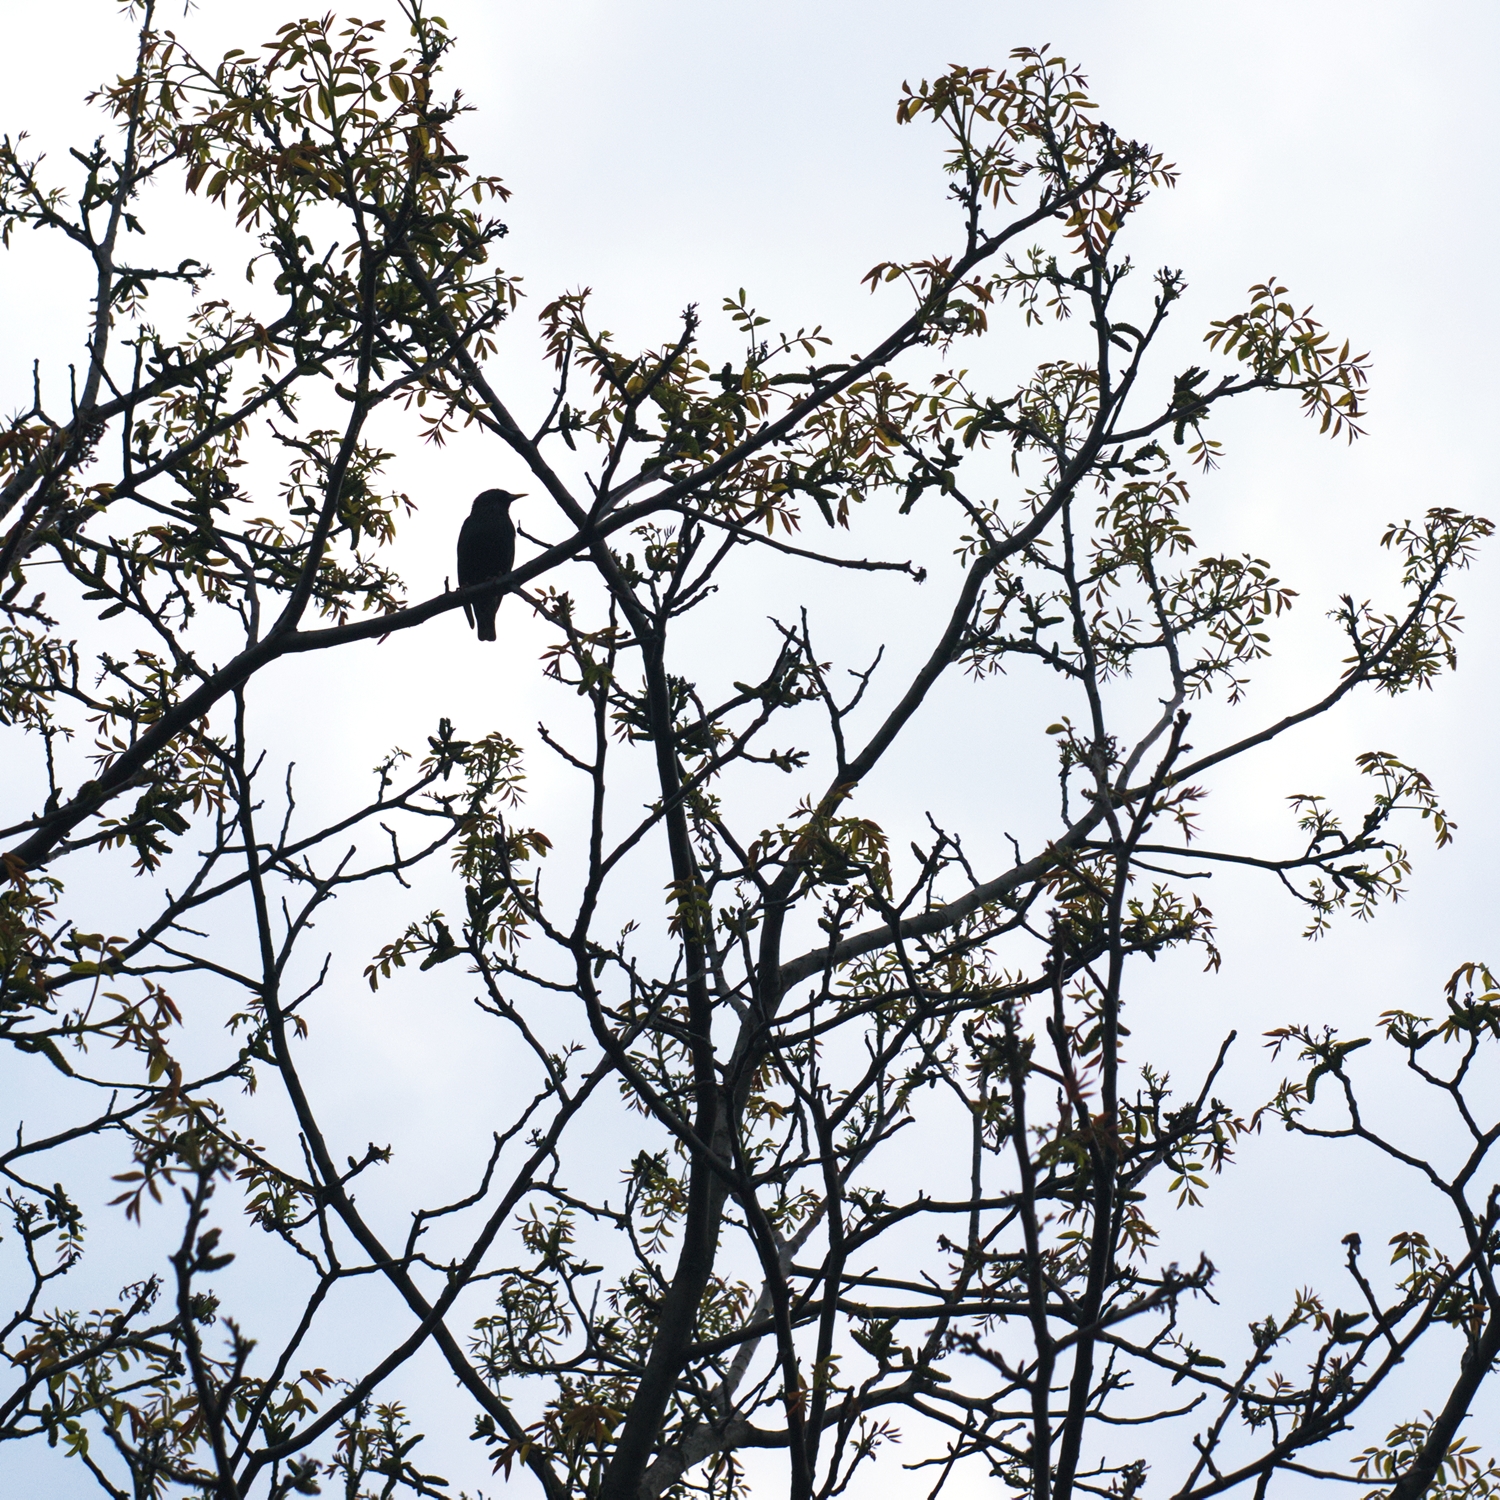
point(666, 153)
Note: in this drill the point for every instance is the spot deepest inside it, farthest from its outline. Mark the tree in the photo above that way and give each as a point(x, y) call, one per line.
point(807, 996)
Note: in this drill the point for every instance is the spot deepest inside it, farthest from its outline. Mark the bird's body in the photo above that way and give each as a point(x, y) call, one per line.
point(486, 550)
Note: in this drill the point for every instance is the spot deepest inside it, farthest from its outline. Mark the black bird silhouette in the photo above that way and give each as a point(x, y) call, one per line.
point(486, 549)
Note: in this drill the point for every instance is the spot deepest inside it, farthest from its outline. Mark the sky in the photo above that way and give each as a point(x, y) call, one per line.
point(672, 153)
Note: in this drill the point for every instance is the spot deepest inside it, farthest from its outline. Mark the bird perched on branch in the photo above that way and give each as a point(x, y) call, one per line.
point(486, 549)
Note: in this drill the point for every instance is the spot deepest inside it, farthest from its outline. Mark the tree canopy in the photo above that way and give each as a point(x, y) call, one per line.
point(728, 1010)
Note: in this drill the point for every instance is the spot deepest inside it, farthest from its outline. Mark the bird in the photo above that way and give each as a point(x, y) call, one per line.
point(486, 549)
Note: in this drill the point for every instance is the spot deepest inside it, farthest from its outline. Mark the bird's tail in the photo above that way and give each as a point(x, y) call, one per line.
point(484, 619)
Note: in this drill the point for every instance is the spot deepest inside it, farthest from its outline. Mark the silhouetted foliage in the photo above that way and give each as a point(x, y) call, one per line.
point(808, 997)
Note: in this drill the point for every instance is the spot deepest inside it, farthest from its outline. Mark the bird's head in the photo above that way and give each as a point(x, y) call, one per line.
point(494, 500)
